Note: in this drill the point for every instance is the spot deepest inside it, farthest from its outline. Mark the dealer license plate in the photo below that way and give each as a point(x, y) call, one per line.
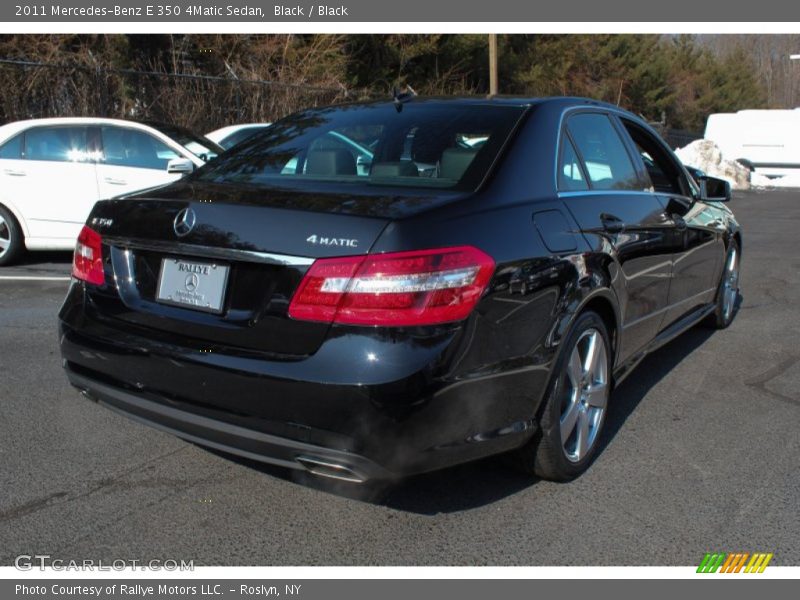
point(197, 285)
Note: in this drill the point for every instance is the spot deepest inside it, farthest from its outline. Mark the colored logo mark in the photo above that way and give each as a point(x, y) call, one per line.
point(734, 562)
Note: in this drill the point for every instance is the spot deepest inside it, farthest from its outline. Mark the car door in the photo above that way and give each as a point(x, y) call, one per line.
point(13, 173)
point(606, 194)
point(53, 183)
point(699, 244)
point(132, 160)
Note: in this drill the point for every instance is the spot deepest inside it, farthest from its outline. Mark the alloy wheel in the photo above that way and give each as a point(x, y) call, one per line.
point(586, 395)
point(730, 284)
point(5, 236)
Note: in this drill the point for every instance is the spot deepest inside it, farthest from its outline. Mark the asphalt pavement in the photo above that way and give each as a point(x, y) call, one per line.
point(701, 453)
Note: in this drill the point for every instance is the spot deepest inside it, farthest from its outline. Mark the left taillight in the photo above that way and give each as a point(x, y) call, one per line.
point(87, 262)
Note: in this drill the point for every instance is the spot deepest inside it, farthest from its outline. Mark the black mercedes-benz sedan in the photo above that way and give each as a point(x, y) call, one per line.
point(368, 291)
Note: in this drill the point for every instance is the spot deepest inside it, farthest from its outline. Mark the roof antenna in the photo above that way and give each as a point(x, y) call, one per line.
point(401, 97)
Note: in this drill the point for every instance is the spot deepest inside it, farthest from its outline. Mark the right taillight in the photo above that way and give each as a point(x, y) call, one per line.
point(422, 287)
point(87, 262)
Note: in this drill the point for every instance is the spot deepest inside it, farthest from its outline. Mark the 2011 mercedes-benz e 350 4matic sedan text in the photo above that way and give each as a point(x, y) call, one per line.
point(475, 286)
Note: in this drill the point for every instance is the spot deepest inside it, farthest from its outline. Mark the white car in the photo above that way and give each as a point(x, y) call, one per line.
point(233, 134)
point(52, 171)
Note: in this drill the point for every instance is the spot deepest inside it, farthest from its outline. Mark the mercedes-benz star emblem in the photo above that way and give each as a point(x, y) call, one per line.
point(184, 222)
point(191, 282)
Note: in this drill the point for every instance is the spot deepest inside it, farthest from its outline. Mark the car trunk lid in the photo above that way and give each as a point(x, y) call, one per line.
point(161, 247)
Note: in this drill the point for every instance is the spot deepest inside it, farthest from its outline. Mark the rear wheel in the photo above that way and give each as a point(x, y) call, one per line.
point(575, 409)
point(728, 292)
point(11, 242)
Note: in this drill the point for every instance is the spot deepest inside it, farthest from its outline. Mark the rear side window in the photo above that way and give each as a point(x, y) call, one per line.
point(63, 144)
point(607, 162)
point(570, 174)
point(131, 148)
point(12, 148)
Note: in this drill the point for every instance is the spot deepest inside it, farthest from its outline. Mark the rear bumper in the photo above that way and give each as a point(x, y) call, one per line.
point(241, 441)
point(363, 406)
point(402, 421)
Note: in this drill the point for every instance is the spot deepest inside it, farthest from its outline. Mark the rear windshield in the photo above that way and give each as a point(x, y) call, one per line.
point(415, 145)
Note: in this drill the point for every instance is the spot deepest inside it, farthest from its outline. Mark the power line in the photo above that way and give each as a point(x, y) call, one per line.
point(193, 76)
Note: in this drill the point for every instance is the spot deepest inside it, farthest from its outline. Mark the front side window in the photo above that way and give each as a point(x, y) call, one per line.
point(63, 144)
point(12, 149)
point(665, 176)
point(132, 148)
point(608, 165)
point(419, 145)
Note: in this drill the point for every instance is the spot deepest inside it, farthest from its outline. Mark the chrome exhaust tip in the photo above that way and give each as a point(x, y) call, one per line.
point(325, 468)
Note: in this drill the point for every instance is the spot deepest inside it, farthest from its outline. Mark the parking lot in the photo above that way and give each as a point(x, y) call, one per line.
point(700, 454)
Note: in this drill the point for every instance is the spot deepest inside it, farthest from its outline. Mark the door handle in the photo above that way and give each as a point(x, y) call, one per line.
point(612, 223)
point(14, 173)
point(112, 181)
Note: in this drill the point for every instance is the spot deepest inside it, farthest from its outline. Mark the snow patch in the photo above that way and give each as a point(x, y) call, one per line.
point(706, 156)
point(787, 181)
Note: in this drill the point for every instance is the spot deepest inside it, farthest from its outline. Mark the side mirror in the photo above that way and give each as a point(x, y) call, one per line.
point(695, 173)
point(181, 166)
point(713, 189)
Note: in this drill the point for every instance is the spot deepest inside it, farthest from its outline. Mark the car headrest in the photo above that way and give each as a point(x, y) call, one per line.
point(399, 168)
point(330, 162)
point(454, 162)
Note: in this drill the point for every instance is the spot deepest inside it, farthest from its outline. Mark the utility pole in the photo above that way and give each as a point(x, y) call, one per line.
point(791, 80)
point(492, 64)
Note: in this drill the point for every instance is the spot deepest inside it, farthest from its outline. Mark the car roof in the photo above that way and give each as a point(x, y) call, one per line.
point(15, 126)
point(240, 126)
point(491, 100)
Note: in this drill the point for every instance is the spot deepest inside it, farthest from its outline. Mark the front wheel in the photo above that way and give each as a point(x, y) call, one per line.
point(576, 402)
point(728, 291)
point(11, 243)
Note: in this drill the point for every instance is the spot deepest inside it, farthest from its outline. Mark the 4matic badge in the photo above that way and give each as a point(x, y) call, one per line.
point(331, 241)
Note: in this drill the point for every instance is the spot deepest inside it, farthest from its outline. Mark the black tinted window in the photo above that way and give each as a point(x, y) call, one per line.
point(12, 148)
point(665, 176)
point(67, 144)
point(570, 175)
point(608, 165)
point(422, 145)
point(132, 148)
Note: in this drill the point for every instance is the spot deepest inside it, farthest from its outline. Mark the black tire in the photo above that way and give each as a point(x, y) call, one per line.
point(546, 455)
point(11, 237)
point(727, 291)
